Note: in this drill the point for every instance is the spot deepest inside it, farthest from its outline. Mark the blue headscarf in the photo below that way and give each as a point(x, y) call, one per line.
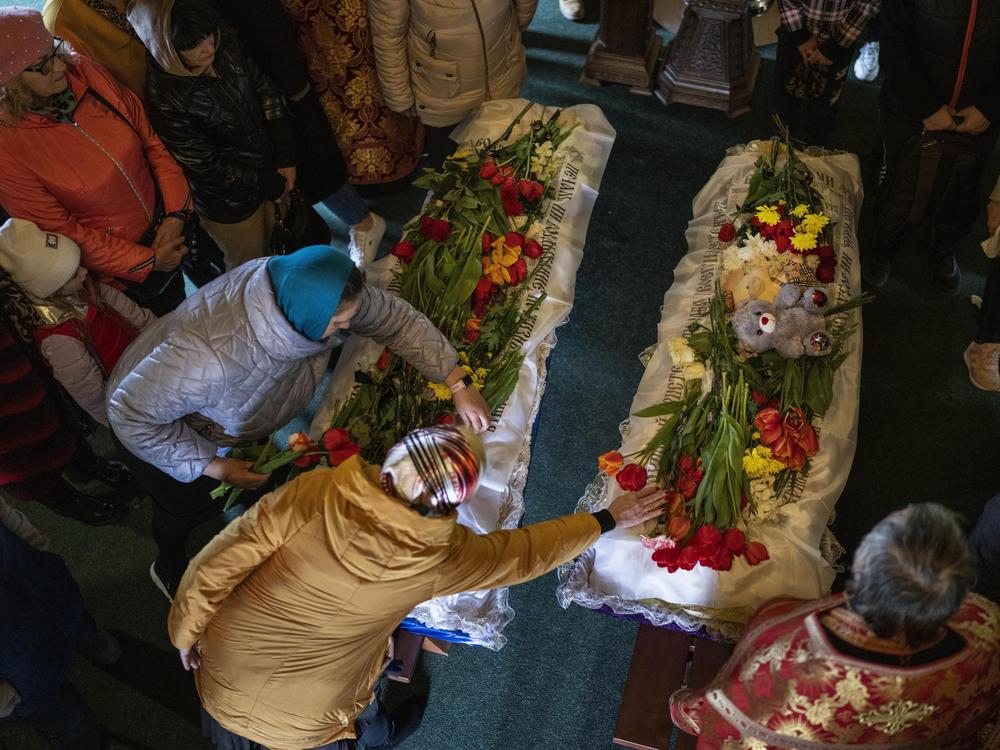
point(308, 285)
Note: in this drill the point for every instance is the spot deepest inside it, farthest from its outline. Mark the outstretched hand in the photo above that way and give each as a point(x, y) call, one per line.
point(633, 508)
point(472, 408)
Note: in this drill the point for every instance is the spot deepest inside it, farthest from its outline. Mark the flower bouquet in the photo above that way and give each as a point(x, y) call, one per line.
point(730, 447)
point(334, 447)
point(474, 262)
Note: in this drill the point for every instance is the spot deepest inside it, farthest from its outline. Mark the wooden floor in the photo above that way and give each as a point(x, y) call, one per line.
point(663, 661)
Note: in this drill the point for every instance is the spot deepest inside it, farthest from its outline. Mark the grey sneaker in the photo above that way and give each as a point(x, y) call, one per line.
point(364, 244)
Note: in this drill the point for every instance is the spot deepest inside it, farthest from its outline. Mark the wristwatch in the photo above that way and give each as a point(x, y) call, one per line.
point(458, 385)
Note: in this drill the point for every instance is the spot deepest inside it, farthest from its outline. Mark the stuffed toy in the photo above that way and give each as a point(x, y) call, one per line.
point(793, 325)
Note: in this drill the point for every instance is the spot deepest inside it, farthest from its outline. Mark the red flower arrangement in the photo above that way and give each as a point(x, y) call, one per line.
point(404, 250)
point(438, 230)
point(791, 438)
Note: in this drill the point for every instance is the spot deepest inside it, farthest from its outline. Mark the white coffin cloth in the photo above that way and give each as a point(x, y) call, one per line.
point(499, 500)
point(618, 572)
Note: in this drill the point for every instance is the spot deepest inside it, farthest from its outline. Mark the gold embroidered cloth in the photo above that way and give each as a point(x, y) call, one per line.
point(378, 144)
point(787, 687)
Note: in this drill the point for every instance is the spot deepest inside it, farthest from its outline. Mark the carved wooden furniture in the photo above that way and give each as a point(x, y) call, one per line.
point(663, 661)
point(626, 49)
point(712, 62)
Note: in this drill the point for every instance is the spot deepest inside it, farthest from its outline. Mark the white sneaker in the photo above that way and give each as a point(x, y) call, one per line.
point(572, 10)
point(364, 244)
point(866, 66)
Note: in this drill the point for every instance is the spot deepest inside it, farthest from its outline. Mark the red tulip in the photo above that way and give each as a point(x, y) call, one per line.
point(488, 170)
point(532, 249)
point(436, 229)
point(756, 553)
point(632, 477)
point(727, 232)
point(404, 250)
point(735, 541)
point(679, 526)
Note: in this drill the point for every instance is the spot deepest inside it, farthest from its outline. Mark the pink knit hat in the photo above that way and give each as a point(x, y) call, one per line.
point(23, 39)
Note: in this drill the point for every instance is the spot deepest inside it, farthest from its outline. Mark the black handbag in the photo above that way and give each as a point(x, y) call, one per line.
point(297, 225)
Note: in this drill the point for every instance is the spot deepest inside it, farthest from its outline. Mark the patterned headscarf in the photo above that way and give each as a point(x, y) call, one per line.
point(18, 309)
point(434, 468)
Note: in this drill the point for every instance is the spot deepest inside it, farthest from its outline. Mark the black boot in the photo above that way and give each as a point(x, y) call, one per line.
point(93, 510)
point(405, 720)
point(112, 473)
point(947, 275)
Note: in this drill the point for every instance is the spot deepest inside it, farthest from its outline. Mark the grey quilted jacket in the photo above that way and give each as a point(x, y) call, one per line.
point(227, 367)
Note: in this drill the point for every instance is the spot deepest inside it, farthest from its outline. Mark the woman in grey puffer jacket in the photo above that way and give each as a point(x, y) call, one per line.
point(239, 359)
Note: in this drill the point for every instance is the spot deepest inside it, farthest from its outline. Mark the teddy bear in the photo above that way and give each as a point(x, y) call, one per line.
point(793, 325)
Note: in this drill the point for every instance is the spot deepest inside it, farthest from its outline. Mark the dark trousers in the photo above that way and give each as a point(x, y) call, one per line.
point(64, 719)
point(372, 726)
point(437, 145)
point(989, 314)
point(952, 208)
point(985, 543)
point(806, 97)
point(178, 509)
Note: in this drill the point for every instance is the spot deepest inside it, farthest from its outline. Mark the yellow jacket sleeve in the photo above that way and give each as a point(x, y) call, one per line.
point(505, 558)
point(234, 554)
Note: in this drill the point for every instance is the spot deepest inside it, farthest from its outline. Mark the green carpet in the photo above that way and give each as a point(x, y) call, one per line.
point(926, 434)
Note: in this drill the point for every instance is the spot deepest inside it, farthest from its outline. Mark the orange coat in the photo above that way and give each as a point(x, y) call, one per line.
point(293, 605)
point(94, 181)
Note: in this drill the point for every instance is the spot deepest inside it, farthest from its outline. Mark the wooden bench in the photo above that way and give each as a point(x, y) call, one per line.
point(663, 661)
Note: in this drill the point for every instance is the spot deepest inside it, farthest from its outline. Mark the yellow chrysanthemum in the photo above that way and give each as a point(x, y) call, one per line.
point(478, 376)
point(799, 211)
point(814, 223)
point(804, 241)
point(768, 215)
point(758, 463)
point(440, 390)
point(501, 257)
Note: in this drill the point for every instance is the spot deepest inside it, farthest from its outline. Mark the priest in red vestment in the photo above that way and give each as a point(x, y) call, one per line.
point(906, 658)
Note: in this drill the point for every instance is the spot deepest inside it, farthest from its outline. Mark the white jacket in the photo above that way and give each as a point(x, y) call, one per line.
point(73, 364)
point(448, 56)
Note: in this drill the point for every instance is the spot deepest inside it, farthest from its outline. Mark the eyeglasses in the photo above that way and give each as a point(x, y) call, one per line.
point(45, 66)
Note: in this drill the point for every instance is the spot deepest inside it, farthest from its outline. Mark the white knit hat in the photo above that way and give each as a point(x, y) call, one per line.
point(39, 262)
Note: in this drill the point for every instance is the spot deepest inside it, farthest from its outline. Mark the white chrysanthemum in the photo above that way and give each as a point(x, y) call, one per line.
point(731, 260)
point(761, 246)
point(680, 352)
point(534, 231)
point(746, 253)
point(767, 503)
point(812, 261)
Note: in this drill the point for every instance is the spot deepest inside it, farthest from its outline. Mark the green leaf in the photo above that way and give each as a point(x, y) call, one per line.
point(660, 410)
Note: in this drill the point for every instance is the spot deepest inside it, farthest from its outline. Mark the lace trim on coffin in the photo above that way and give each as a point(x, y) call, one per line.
point(484, 614)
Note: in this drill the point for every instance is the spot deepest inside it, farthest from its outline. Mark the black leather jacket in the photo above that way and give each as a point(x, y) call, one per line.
point(228, 131)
